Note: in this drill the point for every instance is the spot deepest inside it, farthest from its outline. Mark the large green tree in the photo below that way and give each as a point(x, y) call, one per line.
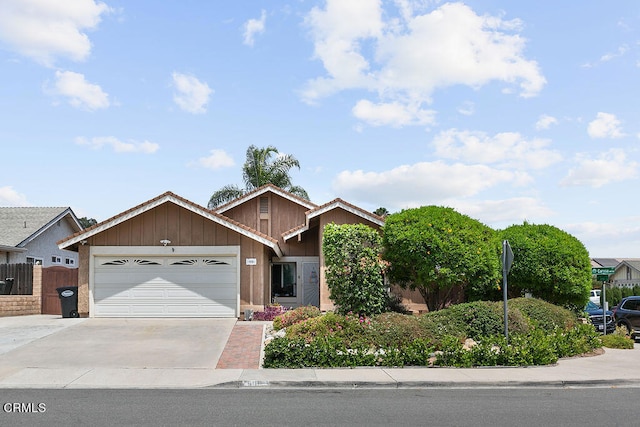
point(436, 249)
point(354, 269)
point(262, 166)
point(549, 263)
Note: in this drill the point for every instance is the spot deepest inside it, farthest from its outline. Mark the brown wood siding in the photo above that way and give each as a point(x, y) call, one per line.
point(252, 277)
point(168, 221)
point(285, 215)
point(308, 246)
point(246, 213)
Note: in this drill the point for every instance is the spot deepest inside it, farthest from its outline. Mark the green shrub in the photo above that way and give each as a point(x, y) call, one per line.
point(327, 351)
point(543, 314)
point(394, 329)
point(439, 324)
point(472, 320)
point(349, 329)
point(296, 315)
point(452, 353)
point(416, 353)
point(619, 339)
point(480, 318)
point(353, 268)
point(580, 339)
point(392, 339)
point(521, 350)
point(285, 353)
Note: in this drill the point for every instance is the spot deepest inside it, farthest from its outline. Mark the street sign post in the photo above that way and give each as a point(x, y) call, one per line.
point(602, 275)
point(507, 261)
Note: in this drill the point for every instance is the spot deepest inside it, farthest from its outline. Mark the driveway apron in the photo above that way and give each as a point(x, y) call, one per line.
point(127, 343)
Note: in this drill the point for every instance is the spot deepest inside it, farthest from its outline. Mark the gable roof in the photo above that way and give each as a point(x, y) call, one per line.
point(633, 263)
point(334, 204)
point(262, 190)
point(21, 225)
point(605, 262)
point(170, 197)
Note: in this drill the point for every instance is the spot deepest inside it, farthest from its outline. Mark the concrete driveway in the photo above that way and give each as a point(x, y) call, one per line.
point(53, 342)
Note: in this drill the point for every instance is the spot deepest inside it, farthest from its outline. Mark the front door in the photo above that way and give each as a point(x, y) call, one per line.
point(295, 281)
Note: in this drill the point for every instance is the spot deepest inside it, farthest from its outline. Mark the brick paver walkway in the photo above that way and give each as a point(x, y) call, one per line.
point(242, 350)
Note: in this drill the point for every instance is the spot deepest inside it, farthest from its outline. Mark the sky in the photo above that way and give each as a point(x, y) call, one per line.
point(505, 111)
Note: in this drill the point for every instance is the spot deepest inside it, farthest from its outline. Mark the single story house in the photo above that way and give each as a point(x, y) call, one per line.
point(30, 235)
point(169, 257)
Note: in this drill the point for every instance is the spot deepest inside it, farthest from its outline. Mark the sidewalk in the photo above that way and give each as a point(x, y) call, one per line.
point(615, 368)
point(237, 368)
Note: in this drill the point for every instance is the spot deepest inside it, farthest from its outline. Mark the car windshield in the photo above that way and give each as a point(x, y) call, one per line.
point(592, 306)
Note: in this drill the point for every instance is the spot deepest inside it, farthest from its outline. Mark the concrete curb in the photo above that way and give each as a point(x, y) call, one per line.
point(265, 384)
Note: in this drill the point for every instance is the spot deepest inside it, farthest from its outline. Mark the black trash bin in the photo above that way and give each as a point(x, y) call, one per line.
point(69, 301)
point(6, 285)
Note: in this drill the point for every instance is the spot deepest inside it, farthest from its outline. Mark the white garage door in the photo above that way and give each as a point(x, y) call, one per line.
point(165, 286)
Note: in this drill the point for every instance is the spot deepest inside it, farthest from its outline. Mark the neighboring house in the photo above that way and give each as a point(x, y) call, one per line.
point(627, 274)
point(169, 257)
point(30, 235)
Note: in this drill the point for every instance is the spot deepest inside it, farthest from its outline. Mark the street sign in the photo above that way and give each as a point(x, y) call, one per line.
point(507, 256)
point(603, 270)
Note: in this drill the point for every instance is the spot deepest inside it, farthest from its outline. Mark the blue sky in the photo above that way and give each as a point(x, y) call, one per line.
point(506, 111)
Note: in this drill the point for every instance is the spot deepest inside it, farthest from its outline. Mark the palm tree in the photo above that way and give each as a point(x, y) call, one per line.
point(382, 211)
point(261, 168)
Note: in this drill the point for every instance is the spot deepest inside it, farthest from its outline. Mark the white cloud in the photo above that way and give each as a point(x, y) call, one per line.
point(253, 27)
point(606, 168)
point(10, 197)
point(118, 146)
point(621, 51)
point(618, 238)
point(44, 30)
point(81, 93)
point(501, 213)
point(545, 122)
point(467, 108)
point(605, 126)
point(422, 183)
point(393, 113)
point(217, 159)
point(406, 59)
point(506, 149)
point(191, 94)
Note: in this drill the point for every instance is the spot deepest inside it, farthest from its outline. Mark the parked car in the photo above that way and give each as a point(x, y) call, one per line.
point(595, 316)
point(594, 297)
point(627, 314)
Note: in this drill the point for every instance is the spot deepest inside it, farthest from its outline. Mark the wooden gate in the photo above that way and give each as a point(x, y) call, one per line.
point(52, 278)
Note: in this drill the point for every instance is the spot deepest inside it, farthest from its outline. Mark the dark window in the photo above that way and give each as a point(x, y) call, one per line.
point(264, 205)
point(283, 280)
